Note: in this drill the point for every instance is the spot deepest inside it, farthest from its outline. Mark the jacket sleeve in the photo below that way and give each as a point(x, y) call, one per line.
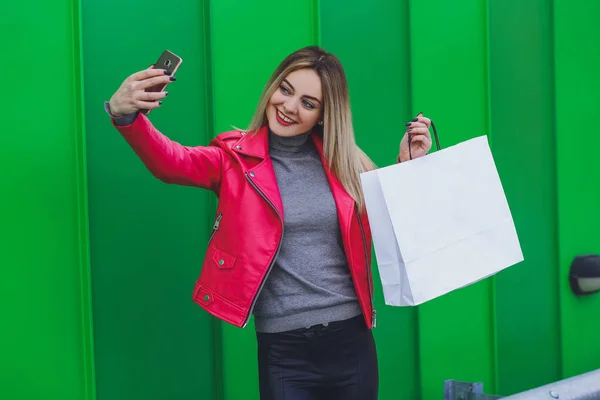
point(170, 161)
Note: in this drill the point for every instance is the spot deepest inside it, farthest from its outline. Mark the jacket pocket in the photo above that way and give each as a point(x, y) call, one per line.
point(202, 295)
point(222, 259)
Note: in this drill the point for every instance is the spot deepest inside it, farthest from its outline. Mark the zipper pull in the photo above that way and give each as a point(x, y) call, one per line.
point(217, 222)
point(374, 318)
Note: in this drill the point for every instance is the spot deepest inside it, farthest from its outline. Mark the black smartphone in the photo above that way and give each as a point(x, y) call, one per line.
point(168, 61)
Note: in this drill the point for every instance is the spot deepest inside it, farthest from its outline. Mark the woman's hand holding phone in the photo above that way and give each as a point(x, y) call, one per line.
point(132, 95)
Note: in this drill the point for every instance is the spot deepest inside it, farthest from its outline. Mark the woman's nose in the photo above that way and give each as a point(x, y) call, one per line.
point(290, 106)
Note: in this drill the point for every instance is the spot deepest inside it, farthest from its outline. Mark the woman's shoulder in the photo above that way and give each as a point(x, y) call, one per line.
point(236, 139)
point(232, 134)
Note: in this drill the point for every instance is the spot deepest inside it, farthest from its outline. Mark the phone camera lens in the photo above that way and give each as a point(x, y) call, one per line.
point(168, 63)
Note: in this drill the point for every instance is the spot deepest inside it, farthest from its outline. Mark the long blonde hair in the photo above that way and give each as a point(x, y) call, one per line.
point(345, 159)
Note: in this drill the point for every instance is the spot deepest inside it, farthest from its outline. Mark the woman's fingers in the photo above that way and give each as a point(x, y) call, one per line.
point(150, 96)
point(420, 130)
point(418, 136)
point(416, 124)
point(421, 119)
point(147, 105)
point(421, 139)
point(148, 73)
point(156, 80)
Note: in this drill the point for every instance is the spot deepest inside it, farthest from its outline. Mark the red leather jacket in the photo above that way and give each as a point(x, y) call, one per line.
point(249, 221)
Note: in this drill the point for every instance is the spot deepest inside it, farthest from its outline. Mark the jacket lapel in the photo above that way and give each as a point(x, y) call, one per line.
point(261, 174)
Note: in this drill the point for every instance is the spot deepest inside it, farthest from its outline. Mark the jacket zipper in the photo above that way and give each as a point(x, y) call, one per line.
point(215, 227)
point(369, 272)
point(262, 284)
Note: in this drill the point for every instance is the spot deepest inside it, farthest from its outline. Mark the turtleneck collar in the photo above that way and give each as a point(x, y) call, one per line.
point(289, 144)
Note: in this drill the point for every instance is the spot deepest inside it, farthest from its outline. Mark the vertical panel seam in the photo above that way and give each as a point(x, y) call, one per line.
point(493, 282)
point(317, 22)
point(415, 313)
point(410, 57)
point(208, 70)
point(83, 245)
point(209, 126)
point(555, 189)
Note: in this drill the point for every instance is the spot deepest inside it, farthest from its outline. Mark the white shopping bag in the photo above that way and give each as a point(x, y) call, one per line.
point(439, 223)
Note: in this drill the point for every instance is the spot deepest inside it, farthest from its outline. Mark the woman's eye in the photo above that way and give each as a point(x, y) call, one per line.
point(285, 90)
point(308, 104)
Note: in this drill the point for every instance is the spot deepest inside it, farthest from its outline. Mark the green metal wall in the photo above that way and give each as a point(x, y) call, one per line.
point(88, 233)
point(147, 238)
point(577, 93)
point(46, 348)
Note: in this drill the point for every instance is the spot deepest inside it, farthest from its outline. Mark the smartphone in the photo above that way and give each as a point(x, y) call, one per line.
point(168, 61)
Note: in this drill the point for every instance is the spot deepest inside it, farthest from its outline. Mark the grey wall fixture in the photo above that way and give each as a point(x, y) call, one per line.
point(585, 274)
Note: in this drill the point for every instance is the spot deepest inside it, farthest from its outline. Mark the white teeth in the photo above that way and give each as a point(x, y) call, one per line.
point(283, 117)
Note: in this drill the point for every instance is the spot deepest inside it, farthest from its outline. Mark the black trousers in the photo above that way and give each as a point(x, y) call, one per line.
point(337, 361)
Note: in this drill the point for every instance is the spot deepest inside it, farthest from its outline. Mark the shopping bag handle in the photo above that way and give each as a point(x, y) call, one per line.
point(435, 135)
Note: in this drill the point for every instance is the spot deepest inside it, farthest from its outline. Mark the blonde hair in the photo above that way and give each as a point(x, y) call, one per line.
point(345, 159)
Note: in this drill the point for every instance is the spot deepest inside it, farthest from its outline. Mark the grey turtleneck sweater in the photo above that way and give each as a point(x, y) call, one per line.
point(310, 282)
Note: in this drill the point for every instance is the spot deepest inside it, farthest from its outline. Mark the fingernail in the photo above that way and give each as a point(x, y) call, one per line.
point(172, 79)
point(421, 113)
point(159, 103)
point(166, 94)
point(415, 119)
point(409, 129)
point(409, 123)
point(167, 72)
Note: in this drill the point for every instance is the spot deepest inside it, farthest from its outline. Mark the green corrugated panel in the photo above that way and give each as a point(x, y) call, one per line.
point(449, 62)
point(522, 107)
point(147, 238)
point(475, 73)
point(45, 335)
point(523, 72)
point(576, 45)
point(372, 41)
point(246, 49)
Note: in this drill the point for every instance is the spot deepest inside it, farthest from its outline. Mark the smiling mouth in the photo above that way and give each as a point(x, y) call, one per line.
point(283, 119)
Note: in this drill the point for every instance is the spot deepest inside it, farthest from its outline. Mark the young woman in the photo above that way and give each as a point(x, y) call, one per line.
point(291, 243)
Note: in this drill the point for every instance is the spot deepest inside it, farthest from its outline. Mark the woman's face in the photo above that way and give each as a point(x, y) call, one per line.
point(296, 105)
